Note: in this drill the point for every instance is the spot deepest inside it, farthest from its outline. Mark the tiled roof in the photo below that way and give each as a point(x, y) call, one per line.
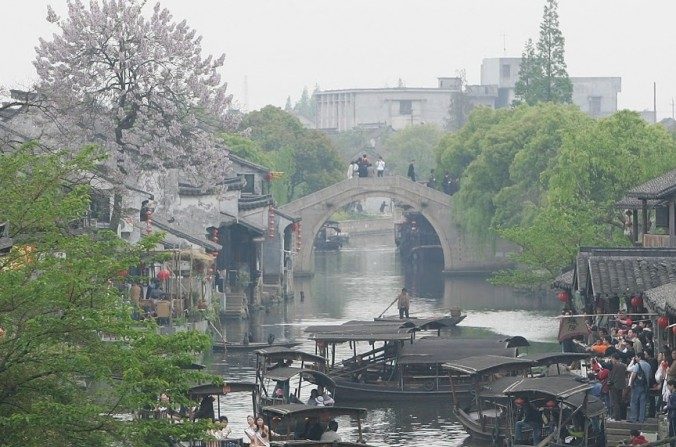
point(564, 280)
point(253, 201)
point(633, 203)
point(662, 299)
point(582, 269)
point(657, 188)
point(624, 273)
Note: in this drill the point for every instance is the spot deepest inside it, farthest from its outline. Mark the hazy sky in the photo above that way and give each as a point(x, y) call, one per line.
point(279, 46)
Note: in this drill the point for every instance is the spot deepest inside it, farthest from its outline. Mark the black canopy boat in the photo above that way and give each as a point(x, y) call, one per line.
point(197, 393)
point(486, 417)
point(443, 322)
point(396, 364)
point(293, 424)
point(330, 237)
point(286, 376)
point(578, 418)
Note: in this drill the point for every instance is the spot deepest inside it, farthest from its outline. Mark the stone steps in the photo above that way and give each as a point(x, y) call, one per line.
point(618, 431)
point(235, 305)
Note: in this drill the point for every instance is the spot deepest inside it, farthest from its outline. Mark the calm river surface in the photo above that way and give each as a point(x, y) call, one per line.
point(358, 283)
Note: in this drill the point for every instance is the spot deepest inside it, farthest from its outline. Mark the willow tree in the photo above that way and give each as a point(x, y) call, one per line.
point(137, 86)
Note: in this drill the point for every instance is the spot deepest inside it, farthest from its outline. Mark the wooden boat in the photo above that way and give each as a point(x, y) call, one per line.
point(285, 376)
point(291, 422)
point(489, 418)
point(442, 322)
point(396, 365)
point(253, 346)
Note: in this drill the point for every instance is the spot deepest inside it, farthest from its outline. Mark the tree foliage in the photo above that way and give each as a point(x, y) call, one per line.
point(547, 178)
point(307, 157)
point(415, 142)
point(138, 87)
point(72, 361)
point(543, 75)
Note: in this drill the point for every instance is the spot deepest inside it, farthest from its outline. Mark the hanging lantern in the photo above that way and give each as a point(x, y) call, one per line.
point(663, 322)
point(563, 296)
point(163, 275)
point(636, 301)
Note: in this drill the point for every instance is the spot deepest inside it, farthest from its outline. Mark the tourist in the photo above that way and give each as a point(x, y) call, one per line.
point(446, 183)
point(312, 401)
point(331, 435)
point(350, 171)
point(206, 408)
point(638, 382)
point(527, 417)
point(432, 180)
point(671, 407)
point(380, 167)
point(261, 436)
point(383, 206)
point(364, 165)
point(403, 303)
point(326, 396)
point(221, 432)
point(636, 438)
point(632, 337)
point(661, 375)
point(616, 383)
point(250, 431)
point(411, 171)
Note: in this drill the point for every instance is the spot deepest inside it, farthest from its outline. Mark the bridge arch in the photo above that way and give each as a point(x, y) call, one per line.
point(314, 209)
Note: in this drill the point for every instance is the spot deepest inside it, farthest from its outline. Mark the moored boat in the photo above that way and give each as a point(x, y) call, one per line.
point(396, 365)
point(304, 425)
point(252, 346)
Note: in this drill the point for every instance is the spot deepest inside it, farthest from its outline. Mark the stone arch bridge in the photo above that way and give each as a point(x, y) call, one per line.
point(461, 254)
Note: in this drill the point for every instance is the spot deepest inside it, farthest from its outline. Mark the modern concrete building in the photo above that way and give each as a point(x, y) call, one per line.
point(596, 96)
point(380, 107)
point(340, 110)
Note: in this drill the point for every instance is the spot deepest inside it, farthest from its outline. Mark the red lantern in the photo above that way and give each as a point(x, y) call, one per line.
point(663, 322)
point(562, 296)
point(636, 301)
point(163, 275)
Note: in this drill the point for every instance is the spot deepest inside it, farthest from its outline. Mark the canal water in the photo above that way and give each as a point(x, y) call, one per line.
point(358, 283)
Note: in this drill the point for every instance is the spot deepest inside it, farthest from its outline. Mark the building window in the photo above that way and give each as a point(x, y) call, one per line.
point(406, 107)
point(594, 105)
point(250, 185)
point(506, 71)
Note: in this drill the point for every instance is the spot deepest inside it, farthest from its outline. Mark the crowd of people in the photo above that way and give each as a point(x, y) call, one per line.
point(633, 380)
point(361, 168)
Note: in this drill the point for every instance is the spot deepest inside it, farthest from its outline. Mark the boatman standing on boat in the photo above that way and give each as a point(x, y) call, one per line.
point(403, 303)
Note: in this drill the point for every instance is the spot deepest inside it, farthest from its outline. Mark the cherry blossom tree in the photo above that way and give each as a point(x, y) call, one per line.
point(137, 85)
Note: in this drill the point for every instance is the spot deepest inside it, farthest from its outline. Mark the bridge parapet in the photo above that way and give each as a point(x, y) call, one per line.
point(460, 253)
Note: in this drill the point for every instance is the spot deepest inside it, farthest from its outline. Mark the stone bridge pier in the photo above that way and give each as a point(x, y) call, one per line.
point(462, 255)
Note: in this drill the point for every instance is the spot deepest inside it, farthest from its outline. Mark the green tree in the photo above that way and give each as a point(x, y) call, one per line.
point(61, 381)
point(530, 72)
point(307, 157)
point(306, 105)
point(546, 77)
point(247, 149)
point(415, 142)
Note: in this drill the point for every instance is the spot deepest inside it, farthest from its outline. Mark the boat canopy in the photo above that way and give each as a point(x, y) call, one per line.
point(561, 387)
point(361, 331)
point(221, 390)
point(300, 410)
point(275, 354)
point(284, 374)
point(445, 350)
point(496, 388)
point(486, 363)
point(551, 358)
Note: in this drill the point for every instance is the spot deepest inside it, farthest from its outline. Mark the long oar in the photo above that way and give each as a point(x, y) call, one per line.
point(395, 300)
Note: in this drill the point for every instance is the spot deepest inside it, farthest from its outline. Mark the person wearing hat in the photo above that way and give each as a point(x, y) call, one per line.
point(527, 417)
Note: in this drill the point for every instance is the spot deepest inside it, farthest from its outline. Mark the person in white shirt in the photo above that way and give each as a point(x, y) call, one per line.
point(331, 435)
point(380, 166)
